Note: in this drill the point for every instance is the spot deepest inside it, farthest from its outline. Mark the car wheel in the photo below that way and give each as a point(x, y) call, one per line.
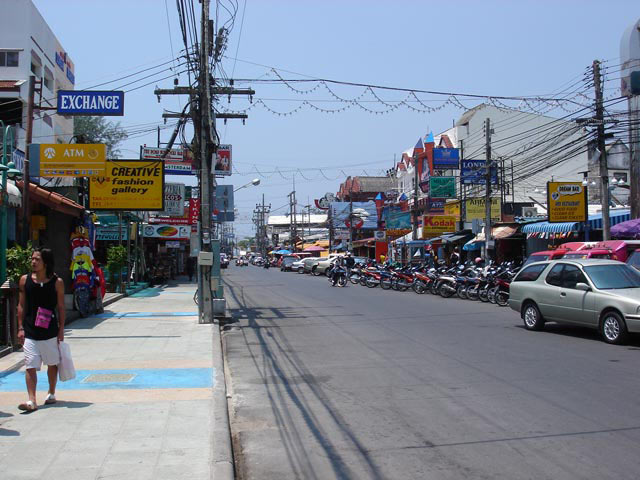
point(301, 270)
point(532, 317)
point(315, 271)
point(613, 328)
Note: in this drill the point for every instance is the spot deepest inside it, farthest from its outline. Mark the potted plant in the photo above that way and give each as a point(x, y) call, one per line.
point(116, 259)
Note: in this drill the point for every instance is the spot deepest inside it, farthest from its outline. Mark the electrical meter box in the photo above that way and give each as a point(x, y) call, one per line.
point(205, 258)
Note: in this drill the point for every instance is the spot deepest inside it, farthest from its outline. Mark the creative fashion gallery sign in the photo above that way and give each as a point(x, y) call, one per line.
point(129, 185)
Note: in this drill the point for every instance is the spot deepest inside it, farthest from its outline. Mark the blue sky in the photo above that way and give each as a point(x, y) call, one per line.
point(505, 48)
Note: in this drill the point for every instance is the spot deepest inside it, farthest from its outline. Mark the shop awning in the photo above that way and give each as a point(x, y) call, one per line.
point(14, 194)
point(595, 223)
point(497, 233)
point(53, 200)
point(365, 242)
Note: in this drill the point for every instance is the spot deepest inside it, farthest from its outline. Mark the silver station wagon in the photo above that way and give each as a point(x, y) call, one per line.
point(602, 294)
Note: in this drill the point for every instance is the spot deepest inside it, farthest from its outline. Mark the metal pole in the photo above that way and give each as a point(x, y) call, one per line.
point(414, 235)
point(26, 233)
point(5, 199)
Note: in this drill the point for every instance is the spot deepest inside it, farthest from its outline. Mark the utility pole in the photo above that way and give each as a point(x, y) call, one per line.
point(414, 235)
point(604, 174)
point(487, 195)
point(351, 216)
point(26, 227)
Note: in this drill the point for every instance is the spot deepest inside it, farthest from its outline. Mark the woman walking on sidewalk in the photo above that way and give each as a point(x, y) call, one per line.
point(41, 316)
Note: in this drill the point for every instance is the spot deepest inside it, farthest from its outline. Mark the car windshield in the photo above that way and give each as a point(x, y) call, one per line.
point(289, 260)
point(608, 277)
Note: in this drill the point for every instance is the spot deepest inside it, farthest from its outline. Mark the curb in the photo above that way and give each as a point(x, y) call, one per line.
point(222, 451)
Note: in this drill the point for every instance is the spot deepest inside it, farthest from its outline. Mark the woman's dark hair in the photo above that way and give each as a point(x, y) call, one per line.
point(47, 258)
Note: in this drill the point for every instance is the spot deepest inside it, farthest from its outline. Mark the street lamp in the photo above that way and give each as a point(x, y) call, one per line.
point(7, 169)
point(255, 181)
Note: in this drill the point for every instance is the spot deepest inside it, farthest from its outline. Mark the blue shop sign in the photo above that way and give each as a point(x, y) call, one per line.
point(472, 172)
point(446, 158)
point(90, 102)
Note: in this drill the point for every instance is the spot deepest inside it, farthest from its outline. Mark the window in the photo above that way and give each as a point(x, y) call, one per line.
point(530, 274)
point(36, 64)
point(555, 275)
point(620, 176)
point(8, 59)
point(611, 276)
point(572, 275)
point(48, 79)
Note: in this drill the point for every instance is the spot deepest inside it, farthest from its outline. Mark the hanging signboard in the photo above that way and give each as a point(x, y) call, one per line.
point(446, 159)
point(90, 102)
point(178, 161)
point(442, 187)
point(224, 206)
point(567, 202)
point(473, 172)
point(475, 209)
point(435, 225)
point(128, 185)
point(174, 197)
point(69, 159)
point(223, 160)
point(435, 206)
point(169, 232)
point(341, 234)
point(452, 208)
point(112, 233)
point(397, 222)
point(194, 210)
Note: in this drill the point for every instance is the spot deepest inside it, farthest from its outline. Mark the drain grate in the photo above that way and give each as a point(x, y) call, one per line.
point(109, 378)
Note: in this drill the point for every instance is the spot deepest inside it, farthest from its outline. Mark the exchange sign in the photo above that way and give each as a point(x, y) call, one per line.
point(446, 159)
point(70, 159)
point(90, 102)
point(567, 202)
point(473, 172)
point(128, 185)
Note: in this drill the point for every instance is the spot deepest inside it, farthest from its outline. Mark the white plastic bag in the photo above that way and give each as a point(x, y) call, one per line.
point(66, 370)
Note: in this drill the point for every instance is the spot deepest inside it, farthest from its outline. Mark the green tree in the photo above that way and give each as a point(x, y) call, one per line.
point(19, 261)
point(116, 260)
point(100, 130)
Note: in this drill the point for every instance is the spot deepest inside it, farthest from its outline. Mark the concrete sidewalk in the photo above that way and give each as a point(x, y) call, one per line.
point(148, 400)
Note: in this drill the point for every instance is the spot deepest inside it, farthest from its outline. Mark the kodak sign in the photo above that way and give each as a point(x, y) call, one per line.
point(434, 225)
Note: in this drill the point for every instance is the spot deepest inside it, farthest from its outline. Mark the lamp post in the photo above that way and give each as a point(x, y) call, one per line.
point(6, 168)
point(255, 181)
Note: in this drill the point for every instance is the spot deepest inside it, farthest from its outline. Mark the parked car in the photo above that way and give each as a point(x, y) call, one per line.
point(224, 260)
point(287, 262)
point(599, 294)
point(298, 266)
point(308, 263)
point(546, 255)
point(322, 266)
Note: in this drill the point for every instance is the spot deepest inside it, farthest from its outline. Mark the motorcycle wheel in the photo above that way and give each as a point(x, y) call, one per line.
point(462, 292)
point(446, 292)
point(491, 294)
point(434, 287)
point(394, 284)
point(386, 283)
point(419, 286)
point(355, 279)
point(371, 282)
point(482, 295)
point(342, 281)
point(402, 286)
point(502, 298)
point(472, 293)
point(363, 280)
point(82, 302)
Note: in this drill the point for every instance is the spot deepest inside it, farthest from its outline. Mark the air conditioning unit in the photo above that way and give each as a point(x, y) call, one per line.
point(529, 212)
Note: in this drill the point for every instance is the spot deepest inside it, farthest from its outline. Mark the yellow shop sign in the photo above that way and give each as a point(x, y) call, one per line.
point(72, 160)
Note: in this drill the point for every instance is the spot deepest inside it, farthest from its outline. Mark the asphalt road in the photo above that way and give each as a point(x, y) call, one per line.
point(365, 383)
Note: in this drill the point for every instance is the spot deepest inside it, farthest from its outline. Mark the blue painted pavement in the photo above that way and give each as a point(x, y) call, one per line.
point(157, 378)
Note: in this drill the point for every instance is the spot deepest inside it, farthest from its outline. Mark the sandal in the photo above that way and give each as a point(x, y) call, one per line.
point(51, 398)
point(28, 406)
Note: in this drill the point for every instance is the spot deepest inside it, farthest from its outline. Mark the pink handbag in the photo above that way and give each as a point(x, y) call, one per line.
point(43, 317)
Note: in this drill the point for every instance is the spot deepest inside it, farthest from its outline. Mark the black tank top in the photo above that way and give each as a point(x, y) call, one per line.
point(40, 295)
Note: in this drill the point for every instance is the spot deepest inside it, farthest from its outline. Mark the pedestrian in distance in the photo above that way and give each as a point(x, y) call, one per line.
point(41, 316)
point(455, 257)
point(349, 261)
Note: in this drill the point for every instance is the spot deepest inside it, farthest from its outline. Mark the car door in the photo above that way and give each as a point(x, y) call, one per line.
point(577, 306)
point(549, 300)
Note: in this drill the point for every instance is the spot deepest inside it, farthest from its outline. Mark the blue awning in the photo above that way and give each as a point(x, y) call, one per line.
point(595, 223)
point(616, 217)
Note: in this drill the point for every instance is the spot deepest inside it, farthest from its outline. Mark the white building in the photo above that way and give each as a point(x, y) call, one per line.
point(29, 47)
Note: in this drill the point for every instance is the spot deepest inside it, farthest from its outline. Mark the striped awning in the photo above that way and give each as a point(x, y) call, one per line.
point(595, 223)
point(551, 227)
point(615, 217)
